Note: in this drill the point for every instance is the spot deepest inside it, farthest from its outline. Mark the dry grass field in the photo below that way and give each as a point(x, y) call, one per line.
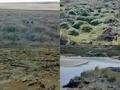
point(30, 6)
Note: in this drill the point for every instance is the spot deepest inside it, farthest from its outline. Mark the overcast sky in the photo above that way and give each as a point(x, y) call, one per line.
point(29, 0)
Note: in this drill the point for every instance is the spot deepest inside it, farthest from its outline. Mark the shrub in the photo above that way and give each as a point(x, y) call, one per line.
point(90, 9)
point(78, 23)
point(87, 19)
point(95, 22)
point(99, 54)
point(63, 40)
point(111, 79)
point(96, 68)
point(86, 28)
point(109, 20)
point(61, 5)
point(10, 29)
point(73, 31)
point(72, 12)
point(85, 13)
point(71, 21)
point(99, 10)
point(64, 25)
point(96, 14)
point(13, 37)
point(96, 88)
point(72, 42)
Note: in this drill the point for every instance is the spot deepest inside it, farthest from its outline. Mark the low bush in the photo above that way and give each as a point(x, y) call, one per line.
point(85, 12)
point(73, 31)
point(86, 28)
point(71, 12)
point(10, 29)
point(109, 20)
point(99, 10)
point(111, 79)
point(61, 5)
point(99, 54)
point(78, 23)
point(13, 37)
point(72, 42)
point(87, 19)
point(96, 88)
point(95, 22)
point(64, 25)
point(96, 14)
point(71, 21)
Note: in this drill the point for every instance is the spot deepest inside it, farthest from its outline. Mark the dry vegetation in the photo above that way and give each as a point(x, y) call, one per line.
point(14, 27)
point(29, 51)
point(29, 67)
point(95, 22)
point(30, 6)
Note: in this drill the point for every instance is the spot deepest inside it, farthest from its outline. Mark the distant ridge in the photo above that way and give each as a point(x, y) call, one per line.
point(31, 5)
point(30, 2)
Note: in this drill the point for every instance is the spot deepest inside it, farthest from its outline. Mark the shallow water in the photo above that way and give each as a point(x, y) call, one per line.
point(66, 73)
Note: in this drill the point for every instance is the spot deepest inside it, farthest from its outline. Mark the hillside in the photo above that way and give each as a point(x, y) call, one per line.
point(95, 22)
point(31, 25)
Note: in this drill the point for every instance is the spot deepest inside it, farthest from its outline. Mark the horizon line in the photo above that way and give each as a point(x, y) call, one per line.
point(26, 1)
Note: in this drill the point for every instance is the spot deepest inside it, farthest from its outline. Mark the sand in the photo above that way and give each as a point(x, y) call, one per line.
point(72, 61)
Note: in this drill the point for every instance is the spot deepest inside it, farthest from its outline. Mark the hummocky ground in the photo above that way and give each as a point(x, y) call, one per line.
point(95, 22)
point(29, 67)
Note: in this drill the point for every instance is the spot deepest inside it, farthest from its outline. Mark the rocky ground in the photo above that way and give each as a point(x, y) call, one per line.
point(29, 67)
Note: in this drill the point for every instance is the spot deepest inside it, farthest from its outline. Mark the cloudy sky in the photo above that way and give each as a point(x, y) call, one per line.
point(29, 0)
